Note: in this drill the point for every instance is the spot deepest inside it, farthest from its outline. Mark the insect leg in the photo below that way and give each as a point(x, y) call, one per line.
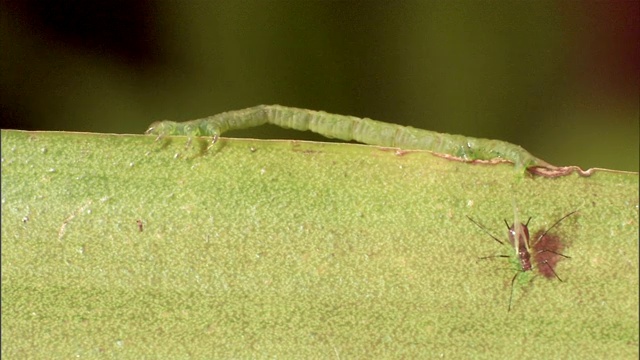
point(554, 225)
point(512, 282)
point(485, 230)
point(550, 268)
point(553, 252)
point(494, 256)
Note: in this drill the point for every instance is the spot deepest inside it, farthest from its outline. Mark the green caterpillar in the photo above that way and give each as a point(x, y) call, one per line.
point(349, 128)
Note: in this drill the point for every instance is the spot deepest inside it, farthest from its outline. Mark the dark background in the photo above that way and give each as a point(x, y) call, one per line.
point(560, 78)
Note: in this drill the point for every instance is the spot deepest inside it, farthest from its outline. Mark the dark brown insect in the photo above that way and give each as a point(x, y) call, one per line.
point(140, 225)
point(523, 243)
point(522, 248)
point(546, 249)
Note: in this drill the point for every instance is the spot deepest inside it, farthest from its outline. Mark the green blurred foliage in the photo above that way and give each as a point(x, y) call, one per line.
point(557, 77)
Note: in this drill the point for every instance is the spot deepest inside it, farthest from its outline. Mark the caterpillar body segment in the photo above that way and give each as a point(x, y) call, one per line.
point(351, 128)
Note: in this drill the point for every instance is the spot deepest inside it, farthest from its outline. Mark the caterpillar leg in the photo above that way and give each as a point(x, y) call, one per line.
point(189, 142)
point(214, 140)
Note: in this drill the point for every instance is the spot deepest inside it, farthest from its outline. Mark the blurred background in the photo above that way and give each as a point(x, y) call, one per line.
point(560, 78)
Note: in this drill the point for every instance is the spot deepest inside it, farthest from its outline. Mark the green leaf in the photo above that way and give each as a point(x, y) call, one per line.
point(113, 245)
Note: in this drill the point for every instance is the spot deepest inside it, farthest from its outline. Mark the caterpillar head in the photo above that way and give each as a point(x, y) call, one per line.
point(164, 127)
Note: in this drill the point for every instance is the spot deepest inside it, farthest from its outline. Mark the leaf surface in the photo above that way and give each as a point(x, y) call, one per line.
point(118, 245)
